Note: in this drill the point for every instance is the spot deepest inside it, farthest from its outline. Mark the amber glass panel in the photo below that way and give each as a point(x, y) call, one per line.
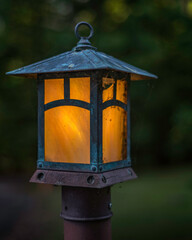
point(108, 86)
point(114, 134)
point(121, 94)
point(80, 89)
point(67, 135)
point(54, 90)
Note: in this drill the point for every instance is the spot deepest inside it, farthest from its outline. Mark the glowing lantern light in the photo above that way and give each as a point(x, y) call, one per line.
point(83, 116)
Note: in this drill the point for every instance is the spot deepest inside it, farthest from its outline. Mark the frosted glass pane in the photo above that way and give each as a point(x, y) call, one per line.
point(114, 134)
point(67, 135)
point(54, 90)
point(121, 94)
point(80, 89)
point(108, 86)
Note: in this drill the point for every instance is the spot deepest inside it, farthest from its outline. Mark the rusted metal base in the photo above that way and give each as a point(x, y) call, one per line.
point(95, 230)
point(86, 204)
point(86, 213)
point(79, 179)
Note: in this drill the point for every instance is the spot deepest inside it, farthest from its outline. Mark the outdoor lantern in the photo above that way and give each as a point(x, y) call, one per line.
point(84, 132)
point(83, 116)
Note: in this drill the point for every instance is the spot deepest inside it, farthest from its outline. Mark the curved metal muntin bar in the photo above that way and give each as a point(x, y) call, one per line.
point(67, 102)
point(114, 102)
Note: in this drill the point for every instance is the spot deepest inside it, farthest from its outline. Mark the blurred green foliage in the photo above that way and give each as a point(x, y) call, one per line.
point(153, 35)
point(155, 206)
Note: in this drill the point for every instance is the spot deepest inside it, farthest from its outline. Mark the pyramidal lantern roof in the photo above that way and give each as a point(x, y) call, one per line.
point(83, 57)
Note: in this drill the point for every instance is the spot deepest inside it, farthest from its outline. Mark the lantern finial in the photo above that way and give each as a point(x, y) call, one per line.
point(84, 42)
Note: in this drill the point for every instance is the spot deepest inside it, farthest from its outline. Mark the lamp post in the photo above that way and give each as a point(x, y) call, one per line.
point(84, 132)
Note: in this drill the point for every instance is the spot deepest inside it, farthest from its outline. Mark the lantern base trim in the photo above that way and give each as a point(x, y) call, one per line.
point(82, 179)
point(79, 167)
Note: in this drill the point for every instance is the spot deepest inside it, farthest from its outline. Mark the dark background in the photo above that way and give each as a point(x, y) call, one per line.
point(153, 35)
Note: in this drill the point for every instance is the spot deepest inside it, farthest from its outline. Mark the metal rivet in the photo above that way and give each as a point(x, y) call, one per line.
point(40, 176)
point(100, 169)
point(90, 179)
point(40, 165)
point(94, 169)
point(66, 208)
point(110, 205)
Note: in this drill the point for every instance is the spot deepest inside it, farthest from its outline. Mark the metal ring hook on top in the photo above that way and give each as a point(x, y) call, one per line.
point(77, 33)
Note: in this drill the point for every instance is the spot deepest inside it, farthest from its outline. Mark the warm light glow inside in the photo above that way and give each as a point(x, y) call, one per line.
point(121, 94)
point(54, 89)
point(80, 89)
point(108, 87)
point(114, 134)
point(67, 135)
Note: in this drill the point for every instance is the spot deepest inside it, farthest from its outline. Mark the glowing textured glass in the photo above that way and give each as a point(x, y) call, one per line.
point(80, 89)
point(67, 135)
point(54, 90)
point(108, 87)
point(114, 134)
point(121, 94)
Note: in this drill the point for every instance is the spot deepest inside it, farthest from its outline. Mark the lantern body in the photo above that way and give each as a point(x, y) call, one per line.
point(83, 116)
point(83, 121)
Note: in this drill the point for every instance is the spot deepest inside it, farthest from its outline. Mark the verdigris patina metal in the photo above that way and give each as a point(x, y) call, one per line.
point(86, 197)
point(83, 61)
point(82, 58)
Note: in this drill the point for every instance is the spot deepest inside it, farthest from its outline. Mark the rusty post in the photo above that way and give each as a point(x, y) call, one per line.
point(86, 213)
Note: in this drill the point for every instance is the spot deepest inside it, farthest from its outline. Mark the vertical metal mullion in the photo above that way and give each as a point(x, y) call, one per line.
point(128, 120)
point(100, 117)
point(93, 120)
point(40, 121)
point(66, 88)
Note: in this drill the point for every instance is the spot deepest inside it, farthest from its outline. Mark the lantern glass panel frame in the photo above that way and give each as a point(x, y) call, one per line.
point(96, 107)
